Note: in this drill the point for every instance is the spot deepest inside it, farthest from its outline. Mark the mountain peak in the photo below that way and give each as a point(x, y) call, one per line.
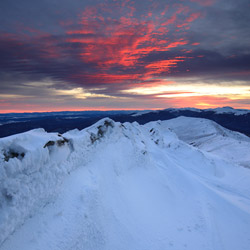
point(125, 186)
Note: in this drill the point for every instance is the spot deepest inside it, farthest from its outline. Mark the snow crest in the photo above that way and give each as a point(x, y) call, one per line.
point(33, 165)
point(123, 186)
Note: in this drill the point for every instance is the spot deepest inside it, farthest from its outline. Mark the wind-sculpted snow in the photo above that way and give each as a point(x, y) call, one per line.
point(116, 186)
point(213, 138)
point(32, 167)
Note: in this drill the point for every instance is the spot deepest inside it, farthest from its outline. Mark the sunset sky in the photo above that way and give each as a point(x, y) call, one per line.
point(109, 54)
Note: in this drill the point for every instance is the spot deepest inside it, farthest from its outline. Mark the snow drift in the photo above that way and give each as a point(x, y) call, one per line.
point(209, 136)
point(125, 186)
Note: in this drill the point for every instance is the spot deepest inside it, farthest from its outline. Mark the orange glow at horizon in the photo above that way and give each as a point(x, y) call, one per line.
point(203, 102)
point(163, 95)
point(66, 109)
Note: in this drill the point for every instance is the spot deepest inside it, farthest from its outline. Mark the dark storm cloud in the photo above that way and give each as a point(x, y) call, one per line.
point(209, 63)
point(117, 45)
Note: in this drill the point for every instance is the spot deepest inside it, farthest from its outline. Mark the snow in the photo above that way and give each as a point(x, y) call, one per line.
point(144, 112)
point(223, 110)
point(183, 109)
point(229, 110)
point(124, 186)
point(211, 137)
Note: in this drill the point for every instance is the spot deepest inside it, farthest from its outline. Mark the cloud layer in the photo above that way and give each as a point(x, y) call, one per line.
point(94, 55)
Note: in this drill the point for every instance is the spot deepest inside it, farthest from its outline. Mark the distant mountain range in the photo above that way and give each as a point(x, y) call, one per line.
point(13, 123)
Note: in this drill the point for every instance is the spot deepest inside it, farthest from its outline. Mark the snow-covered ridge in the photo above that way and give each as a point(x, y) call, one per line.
point(210, 137)
point(229, 110)
point(222, 110)
point(131, 187)
point(33, 165)
point(144, 112)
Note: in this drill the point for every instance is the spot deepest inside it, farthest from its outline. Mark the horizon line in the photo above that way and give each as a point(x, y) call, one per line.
point(106, 110)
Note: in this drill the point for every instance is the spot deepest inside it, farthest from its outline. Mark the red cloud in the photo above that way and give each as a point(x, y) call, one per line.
point(113, 42)
point(204, 2)
point(162, 66)
point(126, 41)
point(190, 19)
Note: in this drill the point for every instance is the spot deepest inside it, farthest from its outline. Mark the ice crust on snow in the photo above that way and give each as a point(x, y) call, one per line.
point(176, 184)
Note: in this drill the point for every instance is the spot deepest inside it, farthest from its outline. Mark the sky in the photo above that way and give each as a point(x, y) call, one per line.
point(109, 54)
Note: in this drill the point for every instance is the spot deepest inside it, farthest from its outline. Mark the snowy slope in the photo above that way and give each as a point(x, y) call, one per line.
point(211, 137)
point(144, 112)
point(117, 187)
point(229, 110)
point(222, 110)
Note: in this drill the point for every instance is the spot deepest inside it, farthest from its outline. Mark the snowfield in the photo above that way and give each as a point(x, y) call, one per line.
point(176, 184)
point(209, 136)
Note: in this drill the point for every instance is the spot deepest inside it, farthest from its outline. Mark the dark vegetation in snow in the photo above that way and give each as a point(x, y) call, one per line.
point(12, 154)
point(102, 129)
point(59, 143)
